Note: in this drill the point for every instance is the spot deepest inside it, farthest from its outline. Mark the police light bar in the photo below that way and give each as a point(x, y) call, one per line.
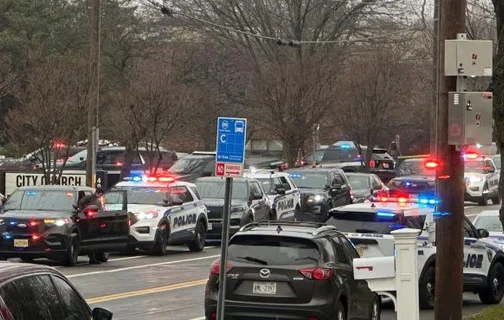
point(404, 199)
point(470, 155)
point(149, 179)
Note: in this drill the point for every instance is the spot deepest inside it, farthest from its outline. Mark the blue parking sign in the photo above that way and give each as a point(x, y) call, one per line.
point(231, 139)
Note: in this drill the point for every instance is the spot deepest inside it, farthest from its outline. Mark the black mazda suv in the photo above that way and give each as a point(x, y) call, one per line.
point(291, 271)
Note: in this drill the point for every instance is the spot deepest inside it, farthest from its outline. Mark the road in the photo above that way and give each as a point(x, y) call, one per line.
point(172, 287)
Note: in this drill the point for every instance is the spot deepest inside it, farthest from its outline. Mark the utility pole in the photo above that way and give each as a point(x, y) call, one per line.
point(450, 179)
point(94, 91)
point(436, 68)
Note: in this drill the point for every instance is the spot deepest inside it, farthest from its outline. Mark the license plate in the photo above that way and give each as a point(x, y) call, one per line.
point(264, 288)
point(360, 250)
point(385, 165)
point(21, 243)
point(209, 226)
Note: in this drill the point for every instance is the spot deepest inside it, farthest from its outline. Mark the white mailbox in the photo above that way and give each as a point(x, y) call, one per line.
point(374, 268)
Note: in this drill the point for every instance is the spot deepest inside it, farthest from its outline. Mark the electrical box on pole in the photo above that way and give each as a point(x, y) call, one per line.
point(470, 119)
point(470, 58)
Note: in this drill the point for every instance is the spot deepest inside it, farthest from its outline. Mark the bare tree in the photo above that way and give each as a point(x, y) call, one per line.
point(150, 109)
point(51, 112)
point(283, 41)
point(379, 96)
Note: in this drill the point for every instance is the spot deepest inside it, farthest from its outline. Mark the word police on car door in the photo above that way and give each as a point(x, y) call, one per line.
point(14, 180)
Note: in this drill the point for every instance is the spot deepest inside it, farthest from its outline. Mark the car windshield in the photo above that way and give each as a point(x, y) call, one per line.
point(490, 223)
point(78, 157)
point(365, 222)
point(341, 155)
point(188, 165)
point(310, 179)
point(43, 200)
point(215, 189)
point(497, 161)
point(414, 167)
point(476, 166)
point(144, 195)
point(273, 250)
point(359, 182)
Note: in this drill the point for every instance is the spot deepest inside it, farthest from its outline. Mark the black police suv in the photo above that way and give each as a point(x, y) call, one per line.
point(42, 222)
point(351, 157)
point(291, 271)
point(194, 166)
point(249, 203)
point(413, 179)
point(321, 189)
point(366, 186)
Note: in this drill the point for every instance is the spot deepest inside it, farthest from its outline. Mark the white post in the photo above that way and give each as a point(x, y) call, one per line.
point(407, 273)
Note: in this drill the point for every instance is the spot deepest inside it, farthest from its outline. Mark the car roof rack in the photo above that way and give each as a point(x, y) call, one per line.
point(319, 226)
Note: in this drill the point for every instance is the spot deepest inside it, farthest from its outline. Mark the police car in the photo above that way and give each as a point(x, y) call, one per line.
point(369, 226)
point(282, 191)
point(482, 179)
point(164, 212)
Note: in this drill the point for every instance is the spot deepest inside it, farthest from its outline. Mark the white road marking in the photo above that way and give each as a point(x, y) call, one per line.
point(139, 267)
point(200, 318)
point(471, 215)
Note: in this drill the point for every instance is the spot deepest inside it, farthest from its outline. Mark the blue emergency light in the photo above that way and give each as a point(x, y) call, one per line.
point(345, 146)
point(136, 178)
point(385, 214)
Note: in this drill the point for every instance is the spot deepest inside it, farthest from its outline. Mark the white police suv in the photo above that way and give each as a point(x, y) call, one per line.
point(282, 192)
point(368, 226)
point(164, 212)
point(482, 179)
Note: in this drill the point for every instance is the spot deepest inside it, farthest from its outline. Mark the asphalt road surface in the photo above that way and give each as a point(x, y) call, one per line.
point(172, 287)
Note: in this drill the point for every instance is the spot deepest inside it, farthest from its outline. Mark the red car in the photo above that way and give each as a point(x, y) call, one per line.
point(29, 292)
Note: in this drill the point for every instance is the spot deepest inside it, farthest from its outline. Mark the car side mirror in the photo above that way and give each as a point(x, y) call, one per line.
point(483, 233)
point(102, 314)
point(280, 190)
point(256, 197)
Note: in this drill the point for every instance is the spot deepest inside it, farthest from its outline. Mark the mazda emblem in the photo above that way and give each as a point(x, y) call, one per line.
point(22, 225)
point(264, 273)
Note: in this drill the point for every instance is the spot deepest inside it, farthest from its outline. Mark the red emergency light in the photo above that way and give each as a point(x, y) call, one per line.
point(431, 164)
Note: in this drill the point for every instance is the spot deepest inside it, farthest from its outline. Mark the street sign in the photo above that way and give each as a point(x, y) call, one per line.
point(231, 138)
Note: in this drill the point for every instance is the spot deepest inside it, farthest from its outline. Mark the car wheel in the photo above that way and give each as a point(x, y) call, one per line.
point(72, 253)
point(426, 288)
point(198, 244)
point(483, 201)
point(340, 311)
point(102, 256)
point(159, 248)
point(494, 290)
point(496, 199)
point(375, 313)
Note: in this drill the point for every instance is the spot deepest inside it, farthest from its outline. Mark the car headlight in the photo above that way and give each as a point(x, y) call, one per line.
point(316, 198)
point(146, 215)
point(56, 222)
point(475, 179)
point(238, 209)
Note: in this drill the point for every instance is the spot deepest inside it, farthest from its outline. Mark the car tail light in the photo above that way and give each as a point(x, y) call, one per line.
point(215, 268)
point(316, 273)
point(213, 315)
point(372, 163)
point(34, 223)
point(90, 212)
point(35, 237)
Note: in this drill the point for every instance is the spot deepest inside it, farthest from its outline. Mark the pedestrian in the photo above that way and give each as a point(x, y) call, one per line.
point(92, 200)
point(394, 148)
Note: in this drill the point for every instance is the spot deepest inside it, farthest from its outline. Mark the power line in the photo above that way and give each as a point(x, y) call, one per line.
point(281, 42)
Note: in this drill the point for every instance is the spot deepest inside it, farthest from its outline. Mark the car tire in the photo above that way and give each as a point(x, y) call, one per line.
point(426, 290)
point(375, 313)
point(494, 291)
point(130, 250)
point(102, 256)
point(198, 244)
point(483, 201)
point(496, 199)
point(72, 253)
point(159, 248)
point(340, 311)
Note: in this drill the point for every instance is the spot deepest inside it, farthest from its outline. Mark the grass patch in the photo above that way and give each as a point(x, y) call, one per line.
point(491, 313)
